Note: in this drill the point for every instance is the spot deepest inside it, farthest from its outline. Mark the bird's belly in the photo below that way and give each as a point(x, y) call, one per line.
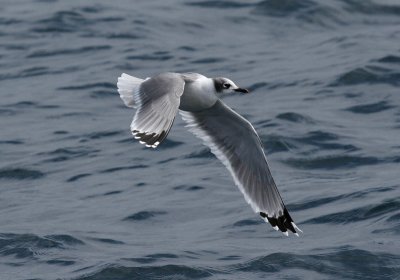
point(192, 100)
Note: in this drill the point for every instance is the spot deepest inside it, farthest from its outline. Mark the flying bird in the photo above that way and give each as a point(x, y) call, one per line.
point(229, 136)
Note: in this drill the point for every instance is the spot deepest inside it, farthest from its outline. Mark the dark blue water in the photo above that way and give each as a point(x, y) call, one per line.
point(80, 199)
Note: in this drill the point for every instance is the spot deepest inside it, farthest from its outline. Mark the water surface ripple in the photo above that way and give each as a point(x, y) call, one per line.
point(80, 199)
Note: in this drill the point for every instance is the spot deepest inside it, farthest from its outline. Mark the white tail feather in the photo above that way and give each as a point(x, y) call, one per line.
point(127, 88)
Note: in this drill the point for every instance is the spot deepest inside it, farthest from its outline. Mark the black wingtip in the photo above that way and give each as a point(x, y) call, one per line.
point(152, 140)
point(149, 139)
point(283, 222)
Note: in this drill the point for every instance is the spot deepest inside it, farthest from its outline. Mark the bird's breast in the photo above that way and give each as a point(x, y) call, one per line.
point(198, 95)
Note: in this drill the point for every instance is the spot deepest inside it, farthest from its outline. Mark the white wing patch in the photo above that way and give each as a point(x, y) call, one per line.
point(157, 100)
point(233, 140)
point(192, 126)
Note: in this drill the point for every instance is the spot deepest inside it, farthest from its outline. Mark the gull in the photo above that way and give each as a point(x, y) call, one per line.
point(230, 137)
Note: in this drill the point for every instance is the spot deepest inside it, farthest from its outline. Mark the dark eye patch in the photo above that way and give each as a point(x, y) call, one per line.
point(227, 85)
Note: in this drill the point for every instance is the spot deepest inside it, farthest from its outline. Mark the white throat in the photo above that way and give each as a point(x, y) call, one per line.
point(198, 95)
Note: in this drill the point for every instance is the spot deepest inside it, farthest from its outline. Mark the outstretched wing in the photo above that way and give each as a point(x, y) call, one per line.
point(157, 99)
point(235, 142)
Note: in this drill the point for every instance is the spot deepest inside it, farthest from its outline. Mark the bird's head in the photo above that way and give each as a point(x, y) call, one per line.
point(224, 85)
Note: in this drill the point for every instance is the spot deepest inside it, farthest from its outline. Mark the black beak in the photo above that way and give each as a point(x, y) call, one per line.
point(242, 90)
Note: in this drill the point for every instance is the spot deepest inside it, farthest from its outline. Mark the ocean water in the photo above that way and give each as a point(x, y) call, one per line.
point(80, 199)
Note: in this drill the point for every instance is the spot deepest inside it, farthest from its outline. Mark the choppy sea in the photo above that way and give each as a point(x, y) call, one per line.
point(80, 199)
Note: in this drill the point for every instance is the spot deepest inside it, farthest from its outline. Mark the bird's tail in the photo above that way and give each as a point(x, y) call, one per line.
point(128, 86)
